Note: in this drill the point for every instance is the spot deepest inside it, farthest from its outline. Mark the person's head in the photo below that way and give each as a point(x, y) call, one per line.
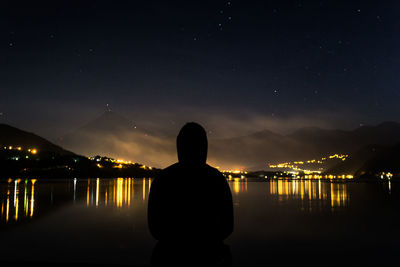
point(192, 144)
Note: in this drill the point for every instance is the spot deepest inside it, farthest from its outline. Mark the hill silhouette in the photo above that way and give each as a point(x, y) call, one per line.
point(370, 161)
point(116, 136)
point(11, 136)
point(254, 151)
point(357, 160)
point(386, 160)
point(25, 154)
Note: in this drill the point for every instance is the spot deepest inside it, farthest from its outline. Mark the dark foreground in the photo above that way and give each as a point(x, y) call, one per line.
point(103, 222)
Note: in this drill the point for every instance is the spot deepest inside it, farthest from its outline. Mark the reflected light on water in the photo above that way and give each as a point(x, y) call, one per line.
point(88, 193)
point(119, 192)
point(239, 185)
point(8, 205)
point(338, 195)
point(26, 204)
point(16, 191)
point(33, 181)
point(13, 191)
point(144, 189)
point(74, 189)
point(236, 185)
point(97, 191)
point(335, 194)
point(129, 192)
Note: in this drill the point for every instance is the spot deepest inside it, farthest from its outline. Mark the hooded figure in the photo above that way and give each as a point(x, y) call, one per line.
point(189, 200)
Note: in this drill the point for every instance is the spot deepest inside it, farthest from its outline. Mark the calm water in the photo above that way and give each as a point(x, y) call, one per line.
point(280, 221)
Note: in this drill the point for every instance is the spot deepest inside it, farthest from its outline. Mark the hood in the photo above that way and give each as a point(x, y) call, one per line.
point(192, 144)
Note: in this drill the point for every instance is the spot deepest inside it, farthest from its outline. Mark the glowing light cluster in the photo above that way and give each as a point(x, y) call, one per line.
point(339, 156)
point(118, 163)
point(234, 171)
point(295, 165)
point(330, 176)
point(386, 175)
point(19, 148)
point(293, 174)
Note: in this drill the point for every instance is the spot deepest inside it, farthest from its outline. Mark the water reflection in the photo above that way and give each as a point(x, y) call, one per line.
point(18, 197)
point(119, 192)
point(320, 193)
point(239, 185)
point(12, 212)
point(23, 199)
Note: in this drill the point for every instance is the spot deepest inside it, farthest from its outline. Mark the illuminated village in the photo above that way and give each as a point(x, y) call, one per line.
point(101, 162)
point(28, 151)
point(24, 162)
point(302, 169)
point(311, 169)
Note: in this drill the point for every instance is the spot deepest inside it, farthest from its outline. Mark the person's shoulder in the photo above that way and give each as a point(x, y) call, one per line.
point(162, 175)
point(169, 170)
point(214, 171)
point(216, 177)
point(210, 168)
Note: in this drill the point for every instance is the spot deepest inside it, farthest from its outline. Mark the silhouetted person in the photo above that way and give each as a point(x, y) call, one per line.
point(190, 203)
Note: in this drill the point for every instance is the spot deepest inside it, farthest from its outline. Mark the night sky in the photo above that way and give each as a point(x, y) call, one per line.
point(266, 63)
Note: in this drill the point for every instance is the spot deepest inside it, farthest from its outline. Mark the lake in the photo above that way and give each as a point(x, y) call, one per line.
point(285, 222)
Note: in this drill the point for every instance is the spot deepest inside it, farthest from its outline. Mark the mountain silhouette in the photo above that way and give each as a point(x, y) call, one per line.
point(255, 150)
point(114, 135)
point(11, 136)
point(385, 160)
point(108, 121)
point(357, 160)
point(371, 160)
